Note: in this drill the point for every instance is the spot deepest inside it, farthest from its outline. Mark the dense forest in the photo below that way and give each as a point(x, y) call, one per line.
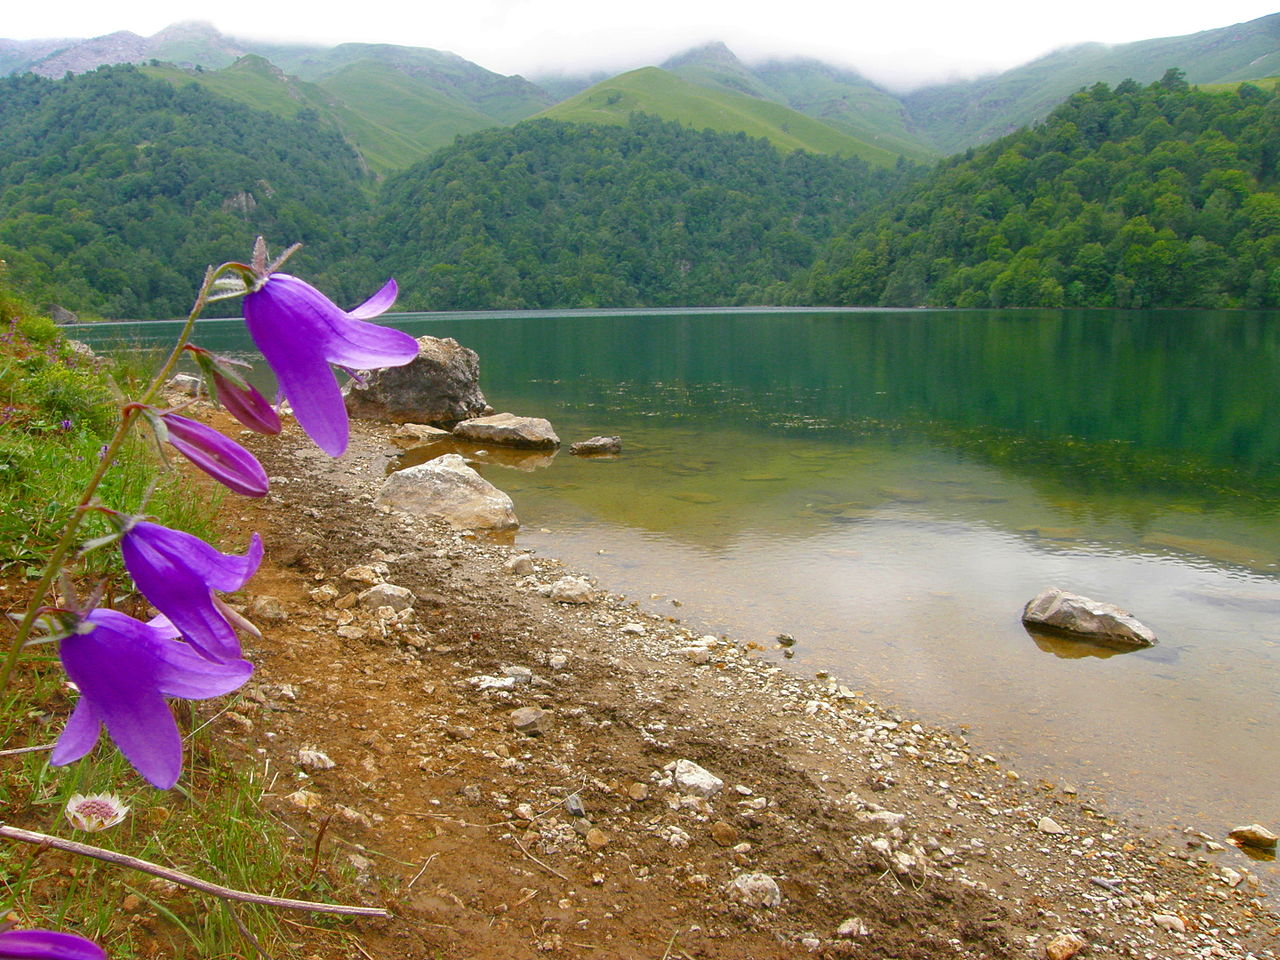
point(553, 214)
point(1129, 197)
point(116, 190)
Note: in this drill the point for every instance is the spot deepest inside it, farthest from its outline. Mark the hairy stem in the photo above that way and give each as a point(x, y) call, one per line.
point(185, 879)
point(67, 540)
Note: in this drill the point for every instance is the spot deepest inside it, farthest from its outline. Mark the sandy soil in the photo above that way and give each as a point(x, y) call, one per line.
point(885, 836)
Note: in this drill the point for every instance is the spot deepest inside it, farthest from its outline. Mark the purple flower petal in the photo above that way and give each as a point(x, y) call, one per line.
point(177, 572)
point(247, 405)
point(125, 669)
point(378, 304)
point(300, 332)
point(222, 458)
point(47, 945)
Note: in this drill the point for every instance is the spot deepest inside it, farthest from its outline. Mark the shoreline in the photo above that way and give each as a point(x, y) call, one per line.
point(855, 812)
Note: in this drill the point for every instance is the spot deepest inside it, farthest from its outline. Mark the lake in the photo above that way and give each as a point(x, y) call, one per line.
point(891, 487)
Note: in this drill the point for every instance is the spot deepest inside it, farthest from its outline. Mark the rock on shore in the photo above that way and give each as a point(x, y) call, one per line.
point(441, 385)
point(449, 489)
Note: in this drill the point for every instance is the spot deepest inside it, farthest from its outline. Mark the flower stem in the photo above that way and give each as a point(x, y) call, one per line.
point(127, 419)
point(185, 879)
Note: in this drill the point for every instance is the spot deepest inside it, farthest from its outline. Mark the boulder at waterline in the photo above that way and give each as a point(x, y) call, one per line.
point(1072, 614)
point(597, 447)
point(449, 489)
point(508, 430)
point(440, 385)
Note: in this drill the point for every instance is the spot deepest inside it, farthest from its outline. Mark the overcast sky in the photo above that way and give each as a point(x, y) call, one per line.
point(897, 43)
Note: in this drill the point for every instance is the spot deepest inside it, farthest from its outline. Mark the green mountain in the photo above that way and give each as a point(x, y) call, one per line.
point(662, 94)
point(118, 189)
point(641, 212)
point(959, 115)
point(1163, 196)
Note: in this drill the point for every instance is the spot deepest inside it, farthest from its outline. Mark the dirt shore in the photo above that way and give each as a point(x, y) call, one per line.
point(573, 829)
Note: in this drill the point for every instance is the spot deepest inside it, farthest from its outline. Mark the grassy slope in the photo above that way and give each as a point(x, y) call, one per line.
point(660, 93)
point(392, 119)
point(961, 115)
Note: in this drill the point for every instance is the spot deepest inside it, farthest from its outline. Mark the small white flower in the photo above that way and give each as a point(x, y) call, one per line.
point(96, 811)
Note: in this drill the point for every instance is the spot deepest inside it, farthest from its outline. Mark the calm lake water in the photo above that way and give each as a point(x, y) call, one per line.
point(890, 488)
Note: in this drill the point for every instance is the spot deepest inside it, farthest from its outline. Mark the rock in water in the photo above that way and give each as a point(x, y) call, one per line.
point(441, 385)
point(1254, 835)
point(597, 447)
point(449, 489)
point(1079, 616)
point(508, 430)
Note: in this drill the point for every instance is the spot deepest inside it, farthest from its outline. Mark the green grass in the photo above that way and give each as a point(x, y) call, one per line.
point(661, 93)
point(59, 409)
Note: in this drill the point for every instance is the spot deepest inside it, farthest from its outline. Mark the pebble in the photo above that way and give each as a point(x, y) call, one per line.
point(387, 595)
point(690, 778)
point(757, 890)
point(268, 608)
point(324, 594)
point(366, 573)
point(1050, 825)
point(304, 799)
point(313, 759)
point(638, 792)
point(351, 633)
point(520, 565)
point(1170, 922)
point(1063, 947)
point(597, 839)
point(853, 927)
point(724, 833)
point(531, 721)
point(572, 590)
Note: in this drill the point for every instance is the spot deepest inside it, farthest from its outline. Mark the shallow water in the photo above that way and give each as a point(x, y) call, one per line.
point(891, 488)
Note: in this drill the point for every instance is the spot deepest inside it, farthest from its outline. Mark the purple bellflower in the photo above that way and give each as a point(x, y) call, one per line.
point(300, 332)
point(47, 945)
point(178, 573)
point(125, 668)
point(233, 391)
point(221, 457)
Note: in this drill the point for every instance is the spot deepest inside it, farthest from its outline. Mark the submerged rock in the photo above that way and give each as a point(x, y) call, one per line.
point(1072, 614)
point(597, 447)
point(1254, 835)
point(449, 489)
point(509, 430)
point(440, 385)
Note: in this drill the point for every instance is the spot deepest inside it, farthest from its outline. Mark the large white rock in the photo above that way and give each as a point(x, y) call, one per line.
point(1073, 614)
point(449, 489)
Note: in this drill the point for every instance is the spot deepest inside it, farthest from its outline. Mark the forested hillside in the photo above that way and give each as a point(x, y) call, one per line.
point(552, 214)
point(116, 190)
point(1128, 197)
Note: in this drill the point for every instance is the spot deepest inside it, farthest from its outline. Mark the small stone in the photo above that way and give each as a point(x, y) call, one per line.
point(366, 573)
point(304, 799)
point(351, 633)
point(786, 640)
point(387, 595)
point(638, 792)
point(531, 721)
point(1063, 947)
point(313, 759)
point(1050, 825)
point(724, 833)
point(557, 661)
point(347, 601)
point(597, 839)
point(324, 594)
point(853, 927)
point(1170, 922)
point(756, 890)
point(131, 903)
point(269, 609)
point(634, 629)
point(572, 590)
point(811, 943)
point(1254, 835)
point(521, 565)
point(690, 778)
